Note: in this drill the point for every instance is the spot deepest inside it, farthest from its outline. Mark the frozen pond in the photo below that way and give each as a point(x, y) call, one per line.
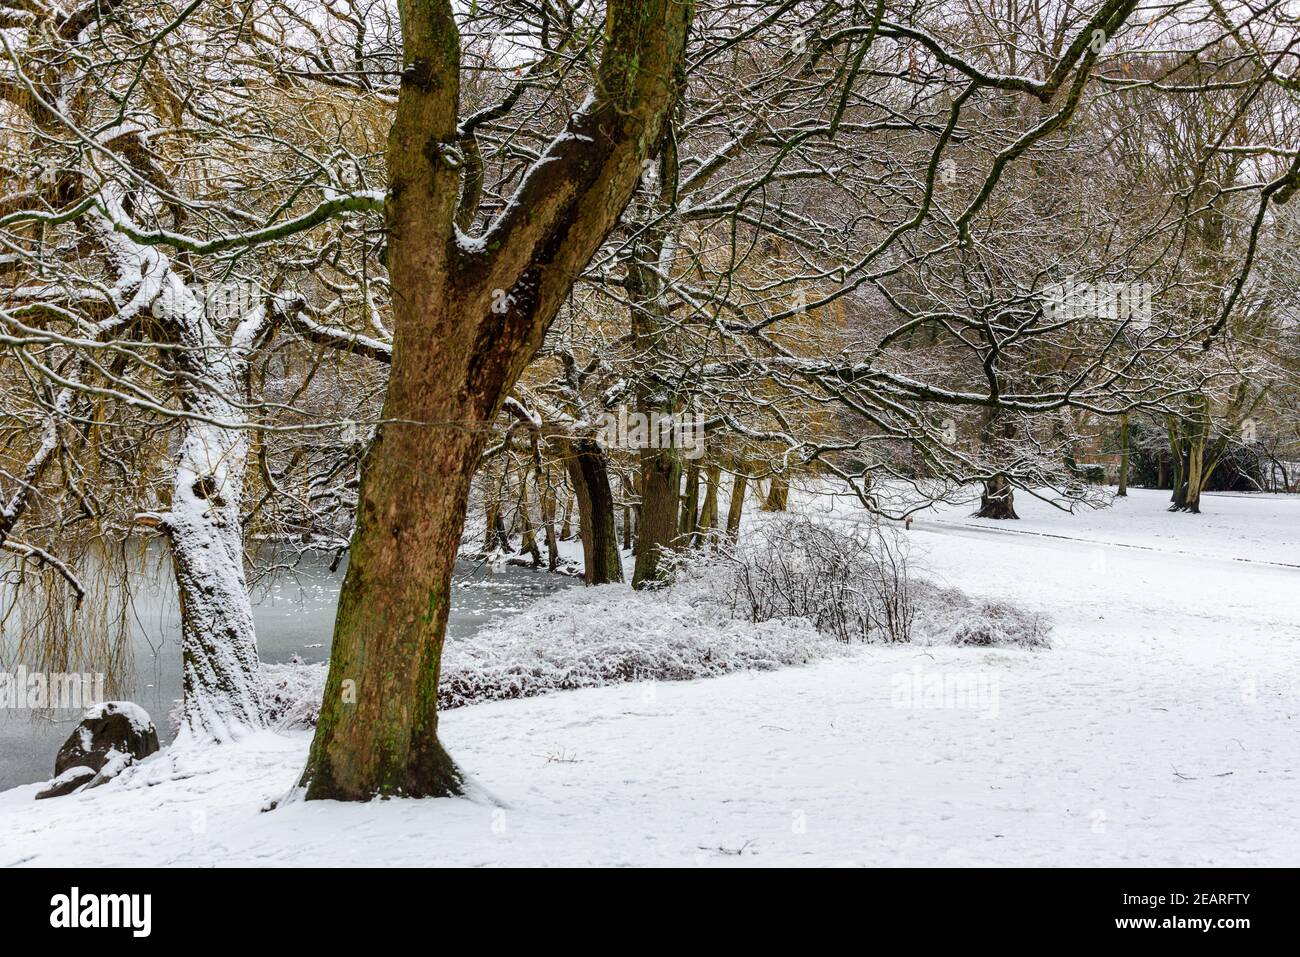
point(295, 616)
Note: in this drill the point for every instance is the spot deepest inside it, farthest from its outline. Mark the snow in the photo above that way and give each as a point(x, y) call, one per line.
point(135, 715)
point(1247, 528)
point(1160, 729)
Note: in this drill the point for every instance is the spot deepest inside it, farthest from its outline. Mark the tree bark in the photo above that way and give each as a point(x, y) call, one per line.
point(495, 536)
point(629, 528)
point(566, 530)
point(221, 680)
point(737, 504)
point(688, 519)
point(546, 502)
point(468, 318)
point(656, 398)
point(589, 474)
point(1123, 455)
point(778, 494)
point(1194, 456)
point(709, 510)
point(661, 476)
point(997, 499)
point(527, 538)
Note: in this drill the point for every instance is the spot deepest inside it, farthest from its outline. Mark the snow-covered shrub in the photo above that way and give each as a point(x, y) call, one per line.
point(586, 638)
point(293, 692)
point(853, 582)
point(948, 616)
point(850, 580)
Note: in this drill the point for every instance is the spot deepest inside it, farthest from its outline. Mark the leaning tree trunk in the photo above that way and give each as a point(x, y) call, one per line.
point(589, 474)
point(468, 318)
point(998, 499)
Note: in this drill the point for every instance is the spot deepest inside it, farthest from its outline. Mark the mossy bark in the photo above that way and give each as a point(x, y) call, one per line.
point(468, 318)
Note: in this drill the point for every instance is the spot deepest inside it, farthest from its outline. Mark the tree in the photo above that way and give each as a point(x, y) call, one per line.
point(114, 253)
point(455, 359)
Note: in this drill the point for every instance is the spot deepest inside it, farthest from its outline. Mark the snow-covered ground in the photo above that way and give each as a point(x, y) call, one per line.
point(1163, 727)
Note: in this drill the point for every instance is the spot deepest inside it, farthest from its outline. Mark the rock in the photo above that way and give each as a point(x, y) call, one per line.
point(111, 737)
point(67, 782)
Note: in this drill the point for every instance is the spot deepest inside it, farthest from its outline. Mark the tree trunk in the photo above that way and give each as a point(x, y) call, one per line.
point(468, 318)
point(661, 475)
point(656, 396)
point(737, 504)
point(998, 499)
point(495, 536)
point(589, 473)
point(527, 539)
point(709, 511)
point(223, 694)
point(1189, 439)
point(221, 677)
point(566, 530)
point(546, 501)
point(778, 495)
point(688, 519)
point(1123, 455)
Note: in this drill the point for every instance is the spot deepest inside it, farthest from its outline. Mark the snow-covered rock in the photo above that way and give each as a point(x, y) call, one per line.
point(110, 737)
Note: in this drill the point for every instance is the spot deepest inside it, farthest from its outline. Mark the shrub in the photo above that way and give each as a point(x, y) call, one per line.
point(851, 581)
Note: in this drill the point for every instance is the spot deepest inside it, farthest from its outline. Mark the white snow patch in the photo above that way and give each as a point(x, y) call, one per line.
point(1161, 729)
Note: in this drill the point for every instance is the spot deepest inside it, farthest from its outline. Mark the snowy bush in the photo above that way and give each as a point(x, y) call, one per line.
point(948, 616)
point(293, 692)
point(585, 638)
point(850, 580)
point(854, 582)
